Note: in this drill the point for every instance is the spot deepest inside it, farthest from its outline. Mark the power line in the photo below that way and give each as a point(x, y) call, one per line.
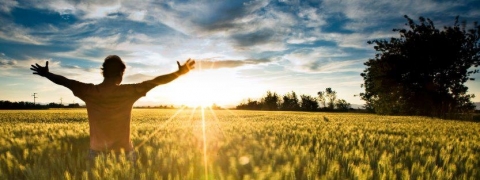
point(34, 97)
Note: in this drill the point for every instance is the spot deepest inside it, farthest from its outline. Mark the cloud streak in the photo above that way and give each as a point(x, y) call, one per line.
point(218, 64)
point(7, 63)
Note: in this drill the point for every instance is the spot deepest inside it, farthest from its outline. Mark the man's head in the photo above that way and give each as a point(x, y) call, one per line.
point(113, 67)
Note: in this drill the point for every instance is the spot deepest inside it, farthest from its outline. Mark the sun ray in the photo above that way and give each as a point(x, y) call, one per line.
point(160, 127)
point(204, 144)
point(218, 123)
point(191, 114)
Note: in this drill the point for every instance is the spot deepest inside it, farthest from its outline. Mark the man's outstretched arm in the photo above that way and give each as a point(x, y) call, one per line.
point(44, 72)
point(182, 69)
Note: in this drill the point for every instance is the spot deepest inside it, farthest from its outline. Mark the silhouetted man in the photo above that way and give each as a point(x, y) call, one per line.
point(109, 104)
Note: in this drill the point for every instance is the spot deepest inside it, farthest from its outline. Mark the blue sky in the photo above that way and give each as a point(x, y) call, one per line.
point(242, 48)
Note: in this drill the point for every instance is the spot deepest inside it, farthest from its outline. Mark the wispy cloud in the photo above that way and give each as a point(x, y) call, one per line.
point(217, 64)
point(7, 63)
point(18, 34)
point(76, 67)
point(6, 6)
point(320, 60)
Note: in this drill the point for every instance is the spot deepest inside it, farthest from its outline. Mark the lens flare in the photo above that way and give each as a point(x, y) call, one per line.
point(204, 144)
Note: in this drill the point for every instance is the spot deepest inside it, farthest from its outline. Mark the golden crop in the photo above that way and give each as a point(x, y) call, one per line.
point(224, 144)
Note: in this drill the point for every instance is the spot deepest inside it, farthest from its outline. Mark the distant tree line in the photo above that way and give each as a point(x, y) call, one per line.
point(324, 101)
point(156, 107)
point(30, 105)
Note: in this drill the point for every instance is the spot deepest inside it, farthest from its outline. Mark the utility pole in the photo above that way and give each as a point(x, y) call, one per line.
point(34, 97)
point(61, 101)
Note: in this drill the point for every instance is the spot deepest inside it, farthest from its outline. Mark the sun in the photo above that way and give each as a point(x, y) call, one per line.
point(204, 88)
point(199, 97)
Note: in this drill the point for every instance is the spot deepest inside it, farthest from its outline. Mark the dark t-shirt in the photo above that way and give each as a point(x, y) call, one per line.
point(109, 112)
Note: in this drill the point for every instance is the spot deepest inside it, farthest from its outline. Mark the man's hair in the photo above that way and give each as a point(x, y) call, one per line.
point(113, 66)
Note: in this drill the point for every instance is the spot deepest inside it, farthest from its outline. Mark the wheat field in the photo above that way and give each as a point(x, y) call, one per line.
point(231, 144)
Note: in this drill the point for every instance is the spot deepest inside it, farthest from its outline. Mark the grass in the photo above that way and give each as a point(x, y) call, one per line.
point(224, 144)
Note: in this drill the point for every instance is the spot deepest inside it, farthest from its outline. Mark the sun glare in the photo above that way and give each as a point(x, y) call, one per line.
point(204, 88)
point(199, 89)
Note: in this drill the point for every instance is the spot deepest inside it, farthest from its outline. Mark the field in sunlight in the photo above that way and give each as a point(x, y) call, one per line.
point(224, 144)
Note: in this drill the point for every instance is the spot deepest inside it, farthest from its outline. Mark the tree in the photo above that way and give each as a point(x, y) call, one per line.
point(73, 105)
point(55, 105)
point(270, 101)
point(250, 105)
point(290, 102)
point(423, 71)
point(331, 95)
point(308, 103)
point(216, 107)
point(342, 105)
point(321, 98)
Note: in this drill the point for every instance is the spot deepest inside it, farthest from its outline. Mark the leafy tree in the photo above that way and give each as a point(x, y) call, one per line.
point(290, 102)
point(250, 105)
point(342, 105)
point(55, 105)
point(423, 71)
point(308, 103)
point(73, 105)
point(331, 96)
point(321, 98)
point(270, 101)
point(215, 106)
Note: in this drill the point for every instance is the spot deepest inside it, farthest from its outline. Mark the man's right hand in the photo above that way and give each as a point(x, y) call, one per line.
point(39, 70)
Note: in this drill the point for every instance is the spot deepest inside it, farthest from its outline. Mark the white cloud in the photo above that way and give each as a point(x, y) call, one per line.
point(101, 42)
point(301, 40)
point(60, 6)
point(99, 11)
point(14, 33)
point(352, 40)
point(137, 15)
point(319, 60)
point(312, 16)
point(368, 13)
point(6, 6)
point(18, 68)
point(85, 10)
point(355, 40)
point(91, 44)
point(4, 62)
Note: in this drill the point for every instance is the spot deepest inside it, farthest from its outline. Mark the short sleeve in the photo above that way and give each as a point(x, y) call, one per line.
point(78, 88)
point(143, 87)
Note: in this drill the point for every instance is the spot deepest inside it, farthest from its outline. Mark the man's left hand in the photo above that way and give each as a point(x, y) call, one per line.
point(186, 67)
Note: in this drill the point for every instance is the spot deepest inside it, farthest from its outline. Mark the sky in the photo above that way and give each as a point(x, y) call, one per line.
point(242, 48)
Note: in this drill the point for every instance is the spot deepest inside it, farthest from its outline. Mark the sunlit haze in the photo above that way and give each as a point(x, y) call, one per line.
point(204, 87)
point(242, 48)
